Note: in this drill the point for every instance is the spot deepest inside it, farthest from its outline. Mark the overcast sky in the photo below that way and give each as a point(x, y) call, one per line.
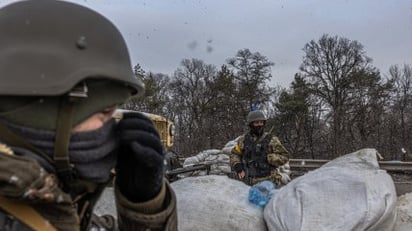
point(160, 33)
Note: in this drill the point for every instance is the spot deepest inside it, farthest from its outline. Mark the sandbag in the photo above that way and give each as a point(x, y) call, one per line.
point(218, 163)
point(348, 193)
point(215, 203)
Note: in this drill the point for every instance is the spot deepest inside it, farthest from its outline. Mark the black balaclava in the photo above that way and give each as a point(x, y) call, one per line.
point(256, 130)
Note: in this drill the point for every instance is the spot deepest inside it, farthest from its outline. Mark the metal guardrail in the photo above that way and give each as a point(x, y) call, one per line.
point(192, 168)
point(403, 167)
point(402, 187)
point(387, 165)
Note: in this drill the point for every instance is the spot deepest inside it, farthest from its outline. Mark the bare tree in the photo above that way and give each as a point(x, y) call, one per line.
point(297, 120)
point(224, 112)
point(402, 103)
point(328, 65)
point(365, 106)
point(252, 72)
point(190, 95)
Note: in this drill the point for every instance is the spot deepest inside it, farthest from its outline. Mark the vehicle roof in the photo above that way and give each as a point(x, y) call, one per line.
point(118, 114)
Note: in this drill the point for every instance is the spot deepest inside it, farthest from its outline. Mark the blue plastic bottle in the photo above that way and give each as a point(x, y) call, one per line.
point(260, 193)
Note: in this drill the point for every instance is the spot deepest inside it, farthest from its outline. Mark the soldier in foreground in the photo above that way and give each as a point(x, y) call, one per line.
point(63, 70)
point(258, 155)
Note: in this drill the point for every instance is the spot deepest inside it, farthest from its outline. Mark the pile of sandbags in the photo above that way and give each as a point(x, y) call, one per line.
point(348, 193)
point(218, 162)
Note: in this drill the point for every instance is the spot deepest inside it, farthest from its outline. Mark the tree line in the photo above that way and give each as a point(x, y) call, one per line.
point(337, 103)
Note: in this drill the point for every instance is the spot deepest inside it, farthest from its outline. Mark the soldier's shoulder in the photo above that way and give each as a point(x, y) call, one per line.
point(273, 138)
point(241, 138)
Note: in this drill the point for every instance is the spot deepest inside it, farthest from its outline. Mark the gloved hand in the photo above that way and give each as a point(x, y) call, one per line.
point(238, 168)
point(139, 171)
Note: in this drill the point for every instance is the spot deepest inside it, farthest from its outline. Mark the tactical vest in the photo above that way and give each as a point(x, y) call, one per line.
point(255, 156)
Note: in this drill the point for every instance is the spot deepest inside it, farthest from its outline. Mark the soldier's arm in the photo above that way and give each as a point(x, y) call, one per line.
point(145, 201)
point(158, 213)
point(236, 153)
point(277, 153)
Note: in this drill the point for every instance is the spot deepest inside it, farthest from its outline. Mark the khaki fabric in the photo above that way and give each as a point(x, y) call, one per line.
point(25, 213)
point(23, 178)
point(25, 182)
point(148, 215)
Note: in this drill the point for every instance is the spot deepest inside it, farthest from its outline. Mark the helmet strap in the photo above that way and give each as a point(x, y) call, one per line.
point(63, 132)
point(62, 140)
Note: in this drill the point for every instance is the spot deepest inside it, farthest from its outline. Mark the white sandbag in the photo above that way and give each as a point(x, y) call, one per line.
point(200, 157)
point(217, 161)
point(215, 203)
point(348, 193)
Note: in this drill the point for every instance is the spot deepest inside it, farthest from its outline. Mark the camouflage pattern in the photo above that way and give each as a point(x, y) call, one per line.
point(33, 185)
point(30, 183)
point(277, 156)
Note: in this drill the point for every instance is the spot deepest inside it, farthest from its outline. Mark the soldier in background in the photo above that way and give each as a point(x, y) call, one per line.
point(63, 70)
point(258, 155)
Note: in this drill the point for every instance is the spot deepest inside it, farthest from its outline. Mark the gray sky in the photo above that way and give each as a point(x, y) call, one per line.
point(160, 33)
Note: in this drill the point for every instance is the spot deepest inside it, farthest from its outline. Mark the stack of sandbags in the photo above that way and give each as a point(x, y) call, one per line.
point(218, 162)
point(348, 193)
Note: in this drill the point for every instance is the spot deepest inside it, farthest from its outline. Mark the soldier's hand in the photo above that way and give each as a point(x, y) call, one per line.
point(241, 175)
point(239, 170)
point(140, 161)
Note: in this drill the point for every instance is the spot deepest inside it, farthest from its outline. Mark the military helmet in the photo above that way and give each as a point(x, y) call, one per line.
point(47, 47)
point(255, 116)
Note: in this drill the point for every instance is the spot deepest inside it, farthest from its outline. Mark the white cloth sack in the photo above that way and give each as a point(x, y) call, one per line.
point(348, 193)
point(217, 161)
point(215, 202)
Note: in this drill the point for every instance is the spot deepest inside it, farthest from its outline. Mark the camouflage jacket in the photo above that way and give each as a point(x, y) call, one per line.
point(24, 184)
point(276, 155)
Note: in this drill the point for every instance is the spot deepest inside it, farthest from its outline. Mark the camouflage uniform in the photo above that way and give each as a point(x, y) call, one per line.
point(60, 64)
point(276, 156)
point(40, 190)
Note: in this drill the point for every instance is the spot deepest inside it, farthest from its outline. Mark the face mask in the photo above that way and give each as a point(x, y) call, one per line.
point(258, 131)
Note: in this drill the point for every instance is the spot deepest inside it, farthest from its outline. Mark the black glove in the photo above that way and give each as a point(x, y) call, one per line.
point(238, 167)
point(139, 171)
